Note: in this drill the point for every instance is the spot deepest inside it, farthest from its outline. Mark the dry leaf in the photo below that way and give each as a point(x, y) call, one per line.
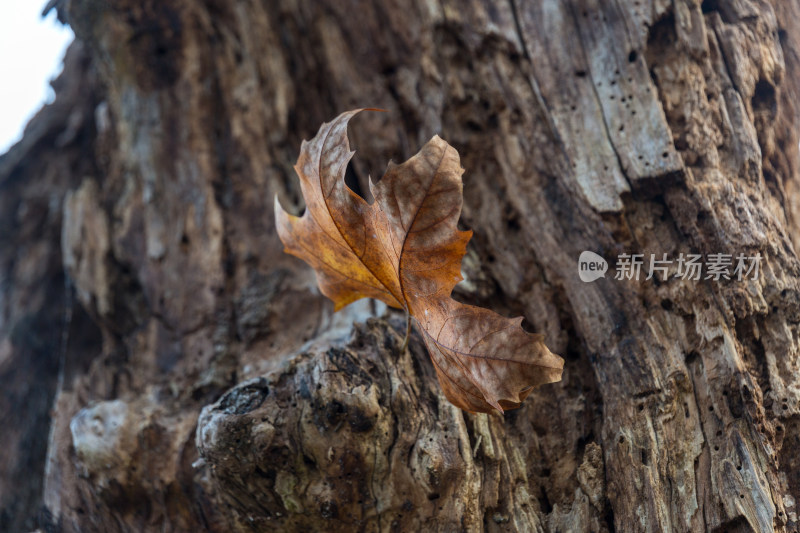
point(405, 250)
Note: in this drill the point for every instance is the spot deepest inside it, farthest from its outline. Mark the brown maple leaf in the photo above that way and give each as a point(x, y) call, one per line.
point(405, 250)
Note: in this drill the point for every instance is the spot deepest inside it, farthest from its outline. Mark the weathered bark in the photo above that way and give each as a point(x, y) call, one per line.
point(196, 379)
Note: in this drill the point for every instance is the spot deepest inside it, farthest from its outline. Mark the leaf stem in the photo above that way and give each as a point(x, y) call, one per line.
point(408, 332)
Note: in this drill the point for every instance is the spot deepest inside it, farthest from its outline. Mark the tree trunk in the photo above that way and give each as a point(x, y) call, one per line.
point(166, 367)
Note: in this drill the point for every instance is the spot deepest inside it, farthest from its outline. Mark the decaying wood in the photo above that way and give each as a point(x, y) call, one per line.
point(363, 462)
point(165, 367)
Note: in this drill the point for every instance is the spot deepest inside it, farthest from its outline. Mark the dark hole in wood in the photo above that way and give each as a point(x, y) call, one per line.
point(764, 96)
point(709, 6)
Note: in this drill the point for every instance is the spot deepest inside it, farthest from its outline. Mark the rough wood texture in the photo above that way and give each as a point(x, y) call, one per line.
point(197, 379)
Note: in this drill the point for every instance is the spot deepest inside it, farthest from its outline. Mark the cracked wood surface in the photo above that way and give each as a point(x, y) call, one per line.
point(189, 376)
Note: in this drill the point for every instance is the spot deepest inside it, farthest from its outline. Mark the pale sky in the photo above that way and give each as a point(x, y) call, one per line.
point(31, 53)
